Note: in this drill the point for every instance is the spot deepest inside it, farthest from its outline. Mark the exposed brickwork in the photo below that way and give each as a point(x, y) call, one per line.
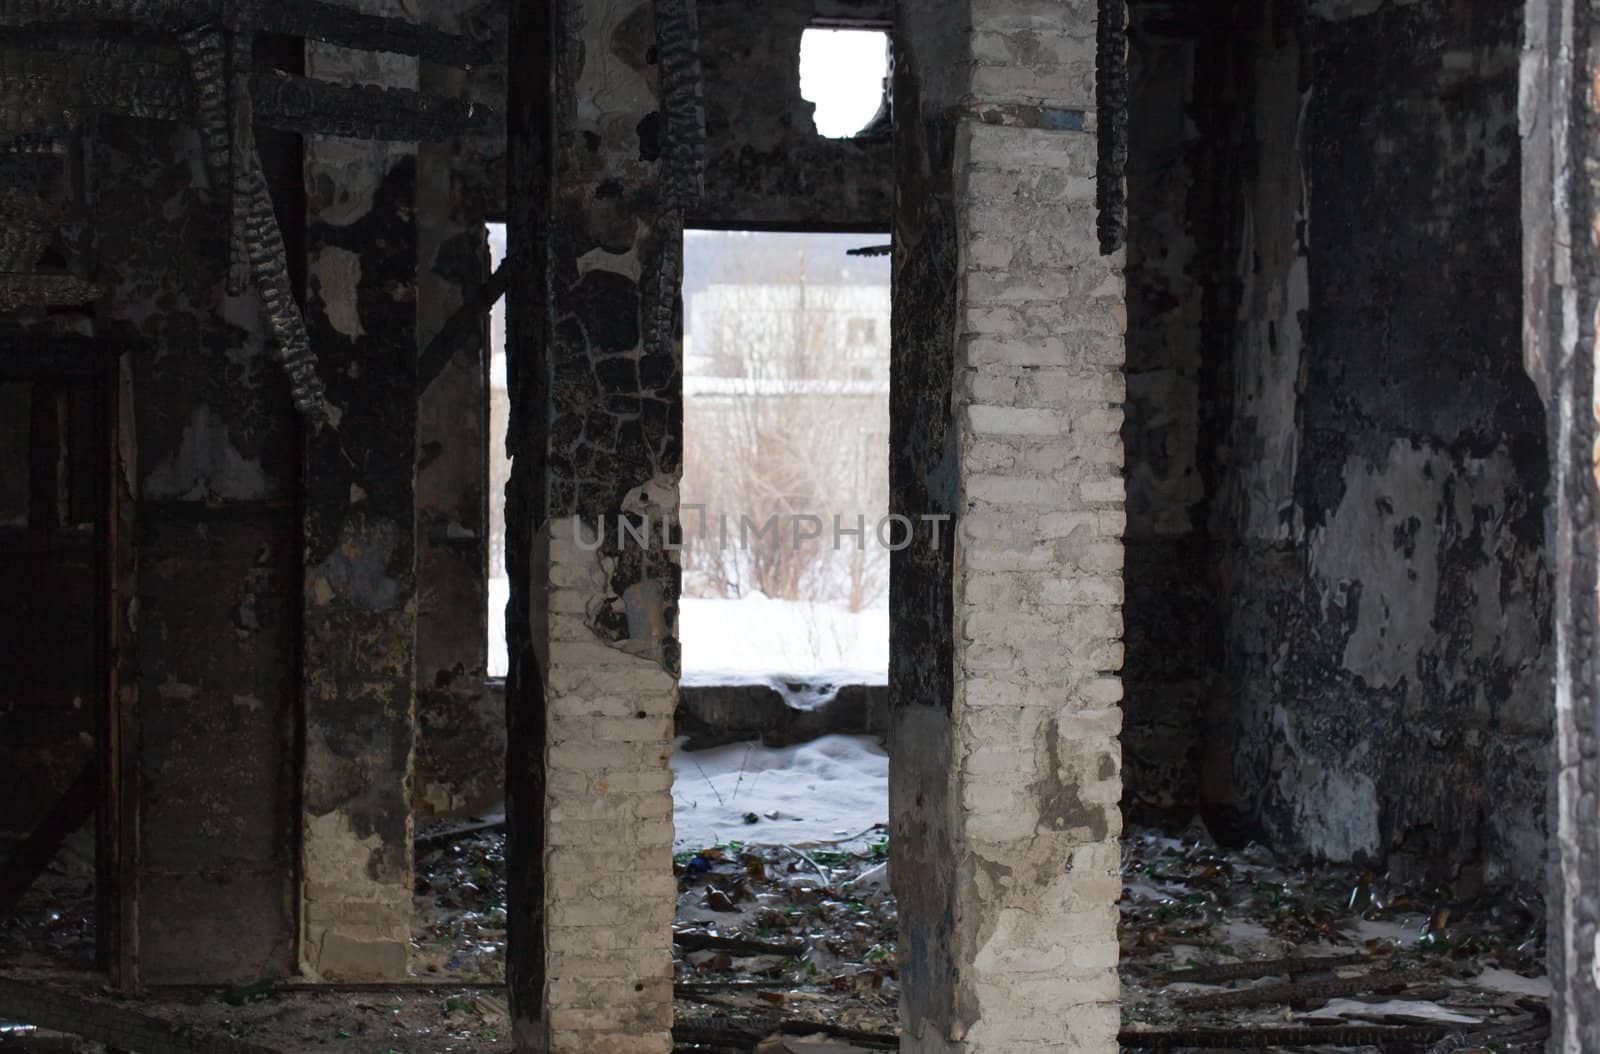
point(1029, 810)
point(608, 823)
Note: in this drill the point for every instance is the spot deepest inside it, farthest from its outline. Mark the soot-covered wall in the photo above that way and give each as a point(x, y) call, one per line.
point(1337, 462)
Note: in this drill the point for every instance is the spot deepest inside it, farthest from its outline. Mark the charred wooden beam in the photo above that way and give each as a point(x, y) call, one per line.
point(241, 157)
point(80, 1015)
point(461, 331)
point(1298, 991)
point(19, 290)
point(28, 860)
point(700, 942)
point(46, 78)
point(332, 24)
point(311, 19)
point(362, 111)
point(1268, 1037)
point(1263, 968)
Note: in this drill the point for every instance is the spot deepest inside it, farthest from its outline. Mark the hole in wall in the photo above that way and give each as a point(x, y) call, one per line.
point(843, 72)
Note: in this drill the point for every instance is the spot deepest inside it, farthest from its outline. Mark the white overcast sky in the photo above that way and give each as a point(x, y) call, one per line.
point(842, 71)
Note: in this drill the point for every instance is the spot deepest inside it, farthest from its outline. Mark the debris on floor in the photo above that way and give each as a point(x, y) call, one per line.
point(793, 934)
point(789, 948)
point(1243, 949)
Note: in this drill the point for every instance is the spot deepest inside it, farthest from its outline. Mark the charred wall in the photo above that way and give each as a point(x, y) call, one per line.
point(217, 614)
point(460, 736)
point(1335, 435)
point(1171, 615)
point(51, 524)
point(766, 166)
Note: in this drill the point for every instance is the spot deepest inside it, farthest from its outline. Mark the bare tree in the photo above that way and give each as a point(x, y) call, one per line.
point(788, 433)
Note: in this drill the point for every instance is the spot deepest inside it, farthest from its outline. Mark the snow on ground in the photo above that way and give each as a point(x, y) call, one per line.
point(1405, 932)
point(758, 638)
point(1498, 980)
point(823, 791)
point(755, 639)
point(1419, 1009)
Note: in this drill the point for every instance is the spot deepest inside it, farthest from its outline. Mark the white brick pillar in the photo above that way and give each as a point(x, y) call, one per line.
point(594, 365)
point(1012, 933)
point(610, 891)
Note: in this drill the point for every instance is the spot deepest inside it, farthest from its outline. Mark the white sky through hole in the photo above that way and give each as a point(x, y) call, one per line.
point(842, 71)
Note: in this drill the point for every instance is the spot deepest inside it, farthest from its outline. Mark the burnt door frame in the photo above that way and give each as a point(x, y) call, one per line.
point(93, 365)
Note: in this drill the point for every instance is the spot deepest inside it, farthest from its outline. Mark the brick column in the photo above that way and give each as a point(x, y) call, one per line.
point(596, 397)
point(1005, 807)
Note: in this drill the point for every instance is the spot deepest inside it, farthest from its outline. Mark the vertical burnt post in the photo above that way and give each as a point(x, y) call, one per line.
point(928, 43)
point(530, 189)
point(1111, 97)
point(1561, 275)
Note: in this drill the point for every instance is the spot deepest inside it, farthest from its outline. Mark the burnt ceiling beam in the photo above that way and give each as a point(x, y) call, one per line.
point(310, 19)
point(132, 80)
point(362, 111)
point(63, 59)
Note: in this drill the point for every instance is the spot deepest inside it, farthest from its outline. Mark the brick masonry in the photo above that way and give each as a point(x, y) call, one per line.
point(1026, 815)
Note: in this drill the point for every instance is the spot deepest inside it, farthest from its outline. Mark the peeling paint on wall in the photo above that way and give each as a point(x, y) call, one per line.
point(206, 467)
point(1379, 526)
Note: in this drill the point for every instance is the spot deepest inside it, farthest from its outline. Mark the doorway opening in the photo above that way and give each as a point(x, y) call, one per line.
point(62, 847)
point(780, 769)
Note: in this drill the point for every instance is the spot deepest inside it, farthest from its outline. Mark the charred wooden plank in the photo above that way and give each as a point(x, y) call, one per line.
point(1408, 1037)
point(332, 24)
point(311, 19)
point(362, 111)
point(1262, 968)
point(64, 1011)
point(29, 860)
point(463, 330)
point(1298, 991)
point(696, 942)
point(48, 77)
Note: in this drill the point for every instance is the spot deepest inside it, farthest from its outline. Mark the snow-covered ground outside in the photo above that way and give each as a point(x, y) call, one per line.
point(825, 791)
point(832, 788)
point(756, 638)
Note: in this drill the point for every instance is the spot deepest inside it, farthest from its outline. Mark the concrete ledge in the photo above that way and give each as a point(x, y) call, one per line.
point(780, 712)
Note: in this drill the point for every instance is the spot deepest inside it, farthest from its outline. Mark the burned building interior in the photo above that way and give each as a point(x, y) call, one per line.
point(1241, 422)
